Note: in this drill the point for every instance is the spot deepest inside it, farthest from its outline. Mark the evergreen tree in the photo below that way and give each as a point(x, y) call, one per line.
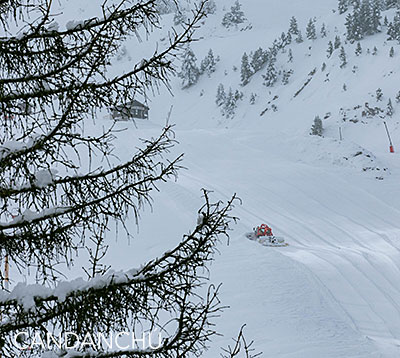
point(289, 38)
point(235, 16)
point(179, 18)
point(391, 52)
point(389, 108)
point(355, 23)
point(253, 98)
point(271, 76)
point(392, 4)
point(398, 97)
point(358, 49)
point(238, 95)
point(189, 72)
point(285, 40)
point(286, 76)
point(210, 7)
point(342, 57)
point(317, 128)
point(386, 21)
point(375, 16)
point(394, 28)
point(337, 42)
point(245, 71)
point(330, 49)
point(365, 18)
point(379, 95)
point(209, 63)
point(299, 38)
point(293, 26)
point(229, 107)
point(221, 95)
point(310, 30)
point(290, 56)
point(349, 27)
point(258, 59)
point(343, 6)
point(323, 30)
point(323, 67)
point(374, 51)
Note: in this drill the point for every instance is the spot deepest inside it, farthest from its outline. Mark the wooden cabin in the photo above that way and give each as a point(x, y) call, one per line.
point(132, 110)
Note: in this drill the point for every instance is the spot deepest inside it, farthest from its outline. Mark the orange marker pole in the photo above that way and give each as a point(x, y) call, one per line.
point(391, 148)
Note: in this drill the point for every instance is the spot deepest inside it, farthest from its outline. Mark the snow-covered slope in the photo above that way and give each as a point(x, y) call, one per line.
point(334, 292)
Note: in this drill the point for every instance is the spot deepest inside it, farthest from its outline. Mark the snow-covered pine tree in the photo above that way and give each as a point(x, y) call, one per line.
point(238, 95)
point(209, 63)
point(311, 32)
point(258, 59)
point(285, 40)
point(235, 16)
point(392, 4)
point(253, 98)
point(66, 188)
point(271, 75)
point(286, 76)
point(355, 25)
point(290, 55)
point(365, 18)
point(391, 52)
point(323, 31)
point(342, 57)
point(210, 7)
point(349, 23)
point(221, 95)
point(179, 18)
point(230, 104)
point(289, 38)
point(293, 26)
point(189, 71)
point(358, 50)
point(394, 28)
point(245, 70)
point(317, 128)
point(337, 42)
point(376, 16)
point(299, 38)
point(379, 94)
point(330, 49)
point(374, 51)
point(389, 108)
point(398, 97)
point(343, 6)
point(166, 6)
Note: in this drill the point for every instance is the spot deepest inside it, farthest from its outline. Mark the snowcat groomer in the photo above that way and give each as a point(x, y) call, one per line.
point(263, 234)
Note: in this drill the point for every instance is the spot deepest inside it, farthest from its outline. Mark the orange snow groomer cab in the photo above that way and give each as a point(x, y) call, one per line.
point(263, 230)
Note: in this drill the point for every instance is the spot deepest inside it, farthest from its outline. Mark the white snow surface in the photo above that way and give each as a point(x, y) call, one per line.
point(335, 291)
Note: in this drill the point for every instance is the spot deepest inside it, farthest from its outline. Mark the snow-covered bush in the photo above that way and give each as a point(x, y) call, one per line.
point(234, 17)
point(317, 128)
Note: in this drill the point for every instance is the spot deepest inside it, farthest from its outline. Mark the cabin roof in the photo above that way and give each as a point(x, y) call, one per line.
point(134, 103)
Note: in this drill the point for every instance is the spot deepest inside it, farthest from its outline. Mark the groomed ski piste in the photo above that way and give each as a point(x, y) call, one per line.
point(335, 290)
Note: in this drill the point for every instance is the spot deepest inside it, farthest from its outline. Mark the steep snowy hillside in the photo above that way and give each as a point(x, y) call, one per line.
point(334, 291)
